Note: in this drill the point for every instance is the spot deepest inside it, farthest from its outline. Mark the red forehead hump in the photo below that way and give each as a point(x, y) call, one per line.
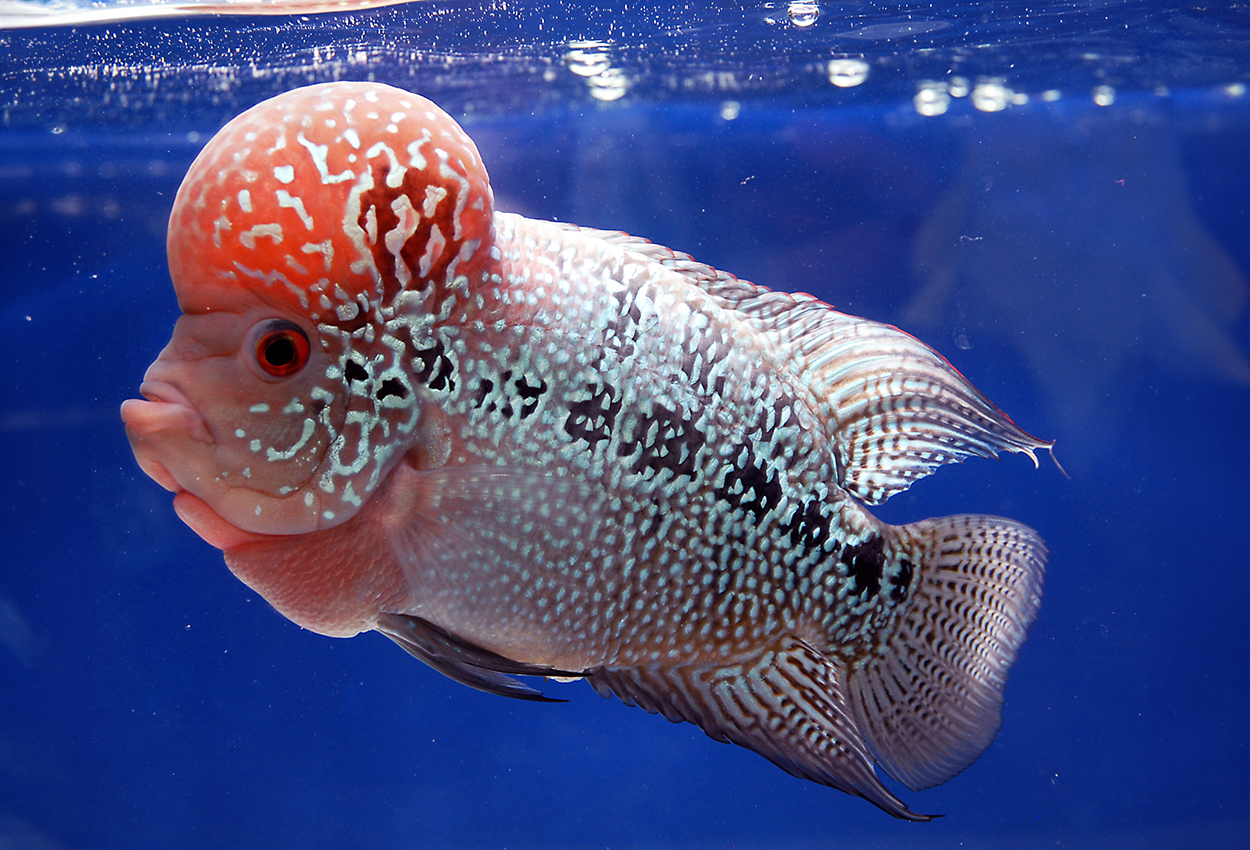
point(324, 195)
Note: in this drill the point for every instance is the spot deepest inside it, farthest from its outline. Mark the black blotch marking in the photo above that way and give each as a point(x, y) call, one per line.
point(901, 582)
point(677, 441)
point(484, 388)
point(436, 371)
point(864, 564)
point(759, 492)
point(529, 394)
point(353, 371)
point(515, 395)
point(808, 526)
point(592, 419)
point(392, 387)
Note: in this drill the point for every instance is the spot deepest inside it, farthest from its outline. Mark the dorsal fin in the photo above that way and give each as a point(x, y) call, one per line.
point(896, 409)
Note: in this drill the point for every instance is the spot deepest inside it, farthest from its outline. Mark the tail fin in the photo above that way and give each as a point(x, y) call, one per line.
point(928, 700)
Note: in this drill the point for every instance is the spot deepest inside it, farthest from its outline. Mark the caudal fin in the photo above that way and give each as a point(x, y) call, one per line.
point(928, 701)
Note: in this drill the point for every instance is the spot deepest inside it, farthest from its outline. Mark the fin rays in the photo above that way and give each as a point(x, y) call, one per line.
point(930, 696)
point(463, 662)
point(787, 704)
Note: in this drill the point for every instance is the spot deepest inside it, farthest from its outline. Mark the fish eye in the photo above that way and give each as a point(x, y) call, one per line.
point(280, 348)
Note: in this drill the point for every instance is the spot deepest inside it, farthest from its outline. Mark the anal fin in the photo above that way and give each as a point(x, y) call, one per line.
point(463, 661)
point(787, 704)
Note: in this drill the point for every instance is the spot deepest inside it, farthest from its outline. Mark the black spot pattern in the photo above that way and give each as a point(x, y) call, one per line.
point(864, 564)
point(674, 446)
point(519, 394)
point(750, 487)
point(484, 388)
point(392, 387)
point(436, 370)
point(353, 371)
point(593, 419)
point(808, 527)
point(900, 583)
point(529, 394)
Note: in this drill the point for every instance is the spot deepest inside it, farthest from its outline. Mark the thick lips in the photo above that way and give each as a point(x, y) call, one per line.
point(166, 410)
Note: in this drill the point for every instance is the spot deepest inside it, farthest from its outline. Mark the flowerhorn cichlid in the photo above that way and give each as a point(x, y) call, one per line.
point(520, 447)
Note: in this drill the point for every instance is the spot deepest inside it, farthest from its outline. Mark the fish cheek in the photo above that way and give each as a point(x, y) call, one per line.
point(268, 435)
point(281, 433)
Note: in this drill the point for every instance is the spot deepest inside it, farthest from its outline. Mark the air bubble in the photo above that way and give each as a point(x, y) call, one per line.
point(1104, 95)
point(608, 86)
point(991, 96)
point(847, 73)
point(932, 98)
point(803, 14)
point(585, 60)
point(592, 61)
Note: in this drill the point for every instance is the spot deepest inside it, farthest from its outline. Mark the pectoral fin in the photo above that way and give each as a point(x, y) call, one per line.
point(462, 661)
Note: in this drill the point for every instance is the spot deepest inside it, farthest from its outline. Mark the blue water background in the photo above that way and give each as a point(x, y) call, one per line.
point(1084, 265)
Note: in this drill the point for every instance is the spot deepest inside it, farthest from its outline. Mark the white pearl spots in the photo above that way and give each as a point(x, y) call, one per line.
point(248, 237)
point(325, 249)
point(319, 154)
point(286, 201)
point(245, 200)
point(219, 224)
point(284, 173)
point(433, 250)
point(433, 194)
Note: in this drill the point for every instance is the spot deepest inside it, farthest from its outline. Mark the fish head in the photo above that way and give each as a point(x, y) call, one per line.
point(314, 244)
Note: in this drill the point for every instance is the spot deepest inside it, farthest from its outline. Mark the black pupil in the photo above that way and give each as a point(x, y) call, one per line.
point(280, 351)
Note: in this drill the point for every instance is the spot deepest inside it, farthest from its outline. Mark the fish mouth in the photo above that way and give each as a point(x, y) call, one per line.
point(165, 410)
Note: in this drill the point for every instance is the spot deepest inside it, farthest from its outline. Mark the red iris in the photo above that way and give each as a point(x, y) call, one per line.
point(282, 350)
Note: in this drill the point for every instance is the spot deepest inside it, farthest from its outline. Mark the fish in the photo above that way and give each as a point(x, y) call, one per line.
point(524, 448)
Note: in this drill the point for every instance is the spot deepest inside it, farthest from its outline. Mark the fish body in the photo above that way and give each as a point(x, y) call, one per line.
point(521, 447)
